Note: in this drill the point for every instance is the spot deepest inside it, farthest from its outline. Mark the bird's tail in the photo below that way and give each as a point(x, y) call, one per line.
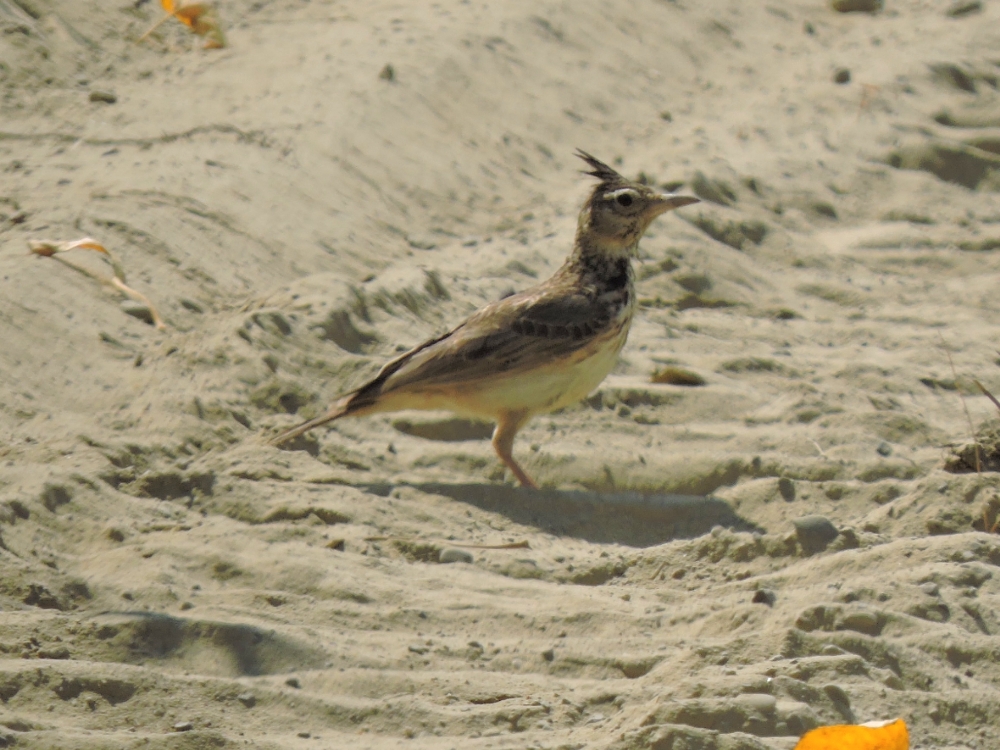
point(338, 410)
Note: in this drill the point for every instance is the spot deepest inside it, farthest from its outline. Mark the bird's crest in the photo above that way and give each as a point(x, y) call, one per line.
point(600, 170)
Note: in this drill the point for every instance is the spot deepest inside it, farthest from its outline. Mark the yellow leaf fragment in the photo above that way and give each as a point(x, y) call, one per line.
point(199, 17)
point(884, 735)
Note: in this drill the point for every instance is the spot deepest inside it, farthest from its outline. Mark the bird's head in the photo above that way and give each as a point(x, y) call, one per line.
point(619, 210)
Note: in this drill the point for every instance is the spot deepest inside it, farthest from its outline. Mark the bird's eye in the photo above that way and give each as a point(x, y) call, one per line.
point(624, 199)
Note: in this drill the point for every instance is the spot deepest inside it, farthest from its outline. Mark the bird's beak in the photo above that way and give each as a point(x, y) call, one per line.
point(669, 201)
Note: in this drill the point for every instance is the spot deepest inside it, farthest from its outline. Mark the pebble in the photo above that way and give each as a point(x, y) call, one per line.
point(549, 654)
point(961, 9)
point(293, 682)
point(247, 699)
point(421, 241)
point(838, 695)
point(418, 648)
point(814, 533)
point(861, 621)
point(105, 97)
point(137, 310)
point(183, 726)
point(452, 555)
point(843, 75)
point(764, 596)
point(760, 702)
point(930, 588)
point(856, 6)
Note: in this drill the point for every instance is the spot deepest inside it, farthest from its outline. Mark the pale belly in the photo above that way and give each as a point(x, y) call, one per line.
point(543, 389)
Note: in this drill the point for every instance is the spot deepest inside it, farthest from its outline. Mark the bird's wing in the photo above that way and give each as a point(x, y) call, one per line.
point(517, 333)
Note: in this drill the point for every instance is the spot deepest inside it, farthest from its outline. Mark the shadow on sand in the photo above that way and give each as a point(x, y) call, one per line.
point(628, 518)
point(219, 648)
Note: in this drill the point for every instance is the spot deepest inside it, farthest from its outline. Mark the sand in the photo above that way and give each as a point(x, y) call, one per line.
point(706, 567)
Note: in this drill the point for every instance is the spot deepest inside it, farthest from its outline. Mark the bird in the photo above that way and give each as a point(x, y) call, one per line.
point(532, 352)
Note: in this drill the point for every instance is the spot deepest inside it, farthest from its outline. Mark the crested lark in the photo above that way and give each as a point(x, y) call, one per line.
point(536, 351)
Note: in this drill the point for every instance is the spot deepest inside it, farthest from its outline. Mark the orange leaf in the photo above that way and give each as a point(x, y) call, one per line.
point(190, 15)
point(199, 17)
point(876, 735)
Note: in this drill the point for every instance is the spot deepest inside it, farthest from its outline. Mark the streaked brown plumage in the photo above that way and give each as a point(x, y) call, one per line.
point(536, 351)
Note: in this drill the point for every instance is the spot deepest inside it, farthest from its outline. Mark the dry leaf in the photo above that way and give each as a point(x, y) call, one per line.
point(48, 249)
point(199, 17)
point(876, 735)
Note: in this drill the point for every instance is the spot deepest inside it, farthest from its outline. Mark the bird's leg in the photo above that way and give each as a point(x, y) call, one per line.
point(503, 443)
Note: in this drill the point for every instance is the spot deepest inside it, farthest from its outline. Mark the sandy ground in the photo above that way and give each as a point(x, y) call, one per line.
point(299, 215)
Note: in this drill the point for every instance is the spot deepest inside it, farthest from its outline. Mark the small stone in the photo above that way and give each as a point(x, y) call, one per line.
point(814, 533)
point(842, 76)
point(337, 544)
point(293, 682)
point(832, 650)
point(417, 648)
point(421, 241)
point(304, 735)
point(105, 97)
point(856, 6)
point(962, 9)
point(183, 726)
point(861, 621)
point(549, 654)
point(452, 555)
point(839, 697)
point(247, 699)
point(191, 305)
point(185, 606)
point(137, 310)
point(884, 449)
point(760, 702)
point(893, 682)
point(930, 588)
point(764, 596)
point(388, 73)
